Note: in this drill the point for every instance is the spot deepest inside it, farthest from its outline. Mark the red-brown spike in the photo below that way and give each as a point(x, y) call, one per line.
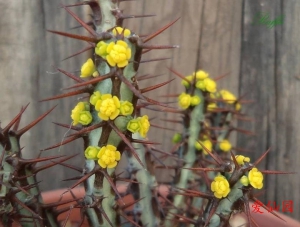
point(80, 52)
point(158, 126)
point(155, 86)
point(65, 95)
point(144, 142)
point(205, 169)
point(69, 140)
point(158, 47)
point(26, 128)
point(92, 81)
point(221, 77)
point(17, 124)
point(41, 168)
point(15, 120)
point(261, 157)
point(155, 59)
point(67, 126)
point(179, 75)
point(159, 31)
point(87, 27)
point(84, 178)
point(246, 132)
point(35, 215)
point(32, 161)
point(234, 160)
point(276, 172)
point(127, 142)
point(146, 77)
point(70, 75)
point(136, 16)
point(214, 156)
point(73, 36)
point(88, 129)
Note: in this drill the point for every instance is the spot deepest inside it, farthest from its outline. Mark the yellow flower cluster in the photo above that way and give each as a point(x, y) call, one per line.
point(204, 143)
point(81, 114)
point(140, 125)
point(107, 156)
point(115, 53)
point(230, 98)
point(186, 100)
point(256, 178)
point(109, 107)
point(119, 30)
point(202, 81)
point(88, 69)
point(242, 159)
point(225, 145)
point(220, 187)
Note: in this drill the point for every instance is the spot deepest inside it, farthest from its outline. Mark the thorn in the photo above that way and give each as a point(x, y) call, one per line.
point(158, 47)
point(80, 52)
point(145, 77)
point(155, 86)
point(136, 16)
point(262, 157)
point(84, 178)
point(70, 75)
point(73, 36)
point(67, 126)
point(144, 141)
point(26, 128)
point(159, 31)
point(69, 140)
point(156, 59)
point(65, 95)
point(88, 129)
point(179, 75)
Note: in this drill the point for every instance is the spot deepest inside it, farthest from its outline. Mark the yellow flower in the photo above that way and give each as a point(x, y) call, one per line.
point(200, 75)
point(201, 85)
point(256, 178)
point(101, 49)
point(133, 125)
point(108, 156)
point(184, 100)
point(211, 106)
point(108, 107)
point(220, 187)
point(195, 100)
point(91, 152)
point(119, 30)
point(210, 85)
point(228, 96)
point(118, 54)
point(206, 143)
point(244, 181)
point(80, 107)
point(88, 68)
point(85, 117)
point(225, 145)
point(126, 108)
point(95, 97)
point(238, 106)
point(144, 125)
point(242, 159)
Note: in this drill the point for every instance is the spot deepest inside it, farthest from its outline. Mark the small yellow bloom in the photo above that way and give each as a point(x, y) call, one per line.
point(225, 145)
point(184, 100)
point(118, 54)
point(108, 156)
point(88, 68)
point(108, 107)
point(244, 181)
point(204, 143)
point(80, 107)
point(144, 125)
point(200, 75)
point(133, 125)
point(91, 152)
point(220, 187)
point(176, 138)
point(95, 97)
point(85, 117)
point(101, 49)
point(211, 106)
point(238, 106)
point(195, 100)
point(242, 159)
point(256, 178)
point(119, 30)
point(201, 85)
point(210, 85)
point(126, 108)
point(228, 96)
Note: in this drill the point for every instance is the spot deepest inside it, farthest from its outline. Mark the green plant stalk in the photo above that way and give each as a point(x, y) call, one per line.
point(147, 184)
point(196, 116)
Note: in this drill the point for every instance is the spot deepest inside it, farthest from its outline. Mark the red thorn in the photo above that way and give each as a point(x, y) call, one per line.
point(214, 156)
point(70, 75)
point(69, 140)
point(221, 77)
point(146, 77)
point(17, 124)
point(179, 75)
point(262, 157)
point(276, 172)
point(65, 95)
point(87, 27)
point(155, 86)
point(144, 141)
point(73, 36)
point(158, 47)
point(155, 59)
point(67, 126)
point(26, 128)
point(15, 120)
point(160, 31)
point(84, 178)
point(136, 16)
point(80, 52)
point(88, 129)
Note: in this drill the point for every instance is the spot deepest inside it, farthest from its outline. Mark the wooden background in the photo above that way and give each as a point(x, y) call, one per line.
point(216, 35)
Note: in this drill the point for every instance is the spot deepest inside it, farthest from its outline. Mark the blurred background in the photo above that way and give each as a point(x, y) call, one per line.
point(214, 35)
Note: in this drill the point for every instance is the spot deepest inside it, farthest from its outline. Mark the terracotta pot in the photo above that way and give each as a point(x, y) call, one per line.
point(262, 220)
